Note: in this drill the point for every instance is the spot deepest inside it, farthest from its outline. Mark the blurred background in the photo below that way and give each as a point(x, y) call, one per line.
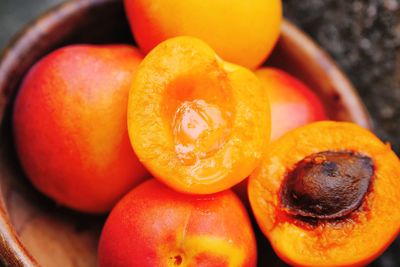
point(363, 36)
point(15, 14)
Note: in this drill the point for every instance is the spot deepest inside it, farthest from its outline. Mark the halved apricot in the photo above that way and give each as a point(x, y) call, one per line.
point(199, 124)
point(327, 194)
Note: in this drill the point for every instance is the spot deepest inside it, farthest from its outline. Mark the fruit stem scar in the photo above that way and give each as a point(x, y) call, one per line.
point(196, 245)
point(327, 185)
point(176, 260)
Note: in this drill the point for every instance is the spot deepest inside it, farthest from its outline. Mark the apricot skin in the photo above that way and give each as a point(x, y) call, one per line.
point(292, 103)
point(355, 240)
point(241, 32)
point(156, 226)
point(70, 126)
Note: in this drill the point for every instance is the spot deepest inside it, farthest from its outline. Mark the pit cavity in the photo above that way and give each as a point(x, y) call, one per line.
point(199, 128)
point(199, 111)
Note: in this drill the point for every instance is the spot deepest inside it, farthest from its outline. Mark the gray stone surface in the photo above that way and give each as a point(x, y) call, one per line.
point(364, 38)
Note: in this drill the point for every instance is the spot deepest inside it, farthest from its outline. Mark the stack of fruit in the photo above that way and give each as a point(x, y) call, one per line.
point(195, 111)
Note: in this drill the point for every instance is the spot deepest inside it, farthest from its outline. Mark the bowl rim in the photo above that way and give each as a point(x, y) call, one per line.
point(358, 113)
point(12, 251)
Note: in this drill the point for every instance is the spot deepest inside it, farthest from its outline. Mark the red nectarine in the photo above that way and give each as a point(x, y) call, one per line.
point(292, 103)
point(156, 226)
point(70, 126)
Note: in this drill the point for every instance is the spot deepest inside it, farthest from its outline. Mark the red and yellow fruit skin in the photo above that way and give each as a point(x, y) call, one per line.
point(156, 226)
point(70, 126)
point(241, 32)
point(354, 241)
point(292, 103)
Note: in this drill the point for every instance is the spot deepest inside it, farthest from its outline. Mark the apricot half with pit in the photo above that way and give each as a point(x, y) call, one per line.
point(326, 194)
point(198, 124)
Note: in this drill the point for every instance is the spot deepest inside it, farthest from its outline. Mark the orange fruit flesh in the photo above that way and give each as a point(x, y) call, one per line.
point(199, 113)
point(345, 242)
point(199, 124)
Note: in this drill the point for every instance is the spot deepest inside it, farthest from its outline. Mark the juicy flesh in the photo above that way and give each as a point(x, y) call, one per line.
point(199, 129)
point(198, 109)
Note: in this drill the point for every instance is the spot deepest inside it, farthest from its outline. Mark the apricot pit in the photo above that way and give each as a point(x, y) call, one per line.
point(327, 185)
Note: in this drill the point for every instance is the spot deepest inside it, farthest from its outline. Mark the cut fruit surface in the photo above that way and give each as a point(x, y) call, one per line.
point(197, 123)
point(326, 194)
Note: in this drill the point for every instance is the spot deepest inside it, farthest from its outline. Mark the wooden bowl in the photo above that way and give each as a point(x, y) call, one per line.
point(36, 232)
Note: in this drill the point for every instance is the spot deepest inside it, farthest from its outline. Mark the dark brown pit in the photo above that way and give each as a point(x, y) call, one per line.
point(327, 185)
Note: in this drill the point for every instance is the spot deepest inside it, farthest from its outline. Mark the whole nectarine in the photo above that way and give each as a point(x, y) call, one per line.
point(156, 226)
point(293, 104)
point(70, 126)
point(241, 32)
